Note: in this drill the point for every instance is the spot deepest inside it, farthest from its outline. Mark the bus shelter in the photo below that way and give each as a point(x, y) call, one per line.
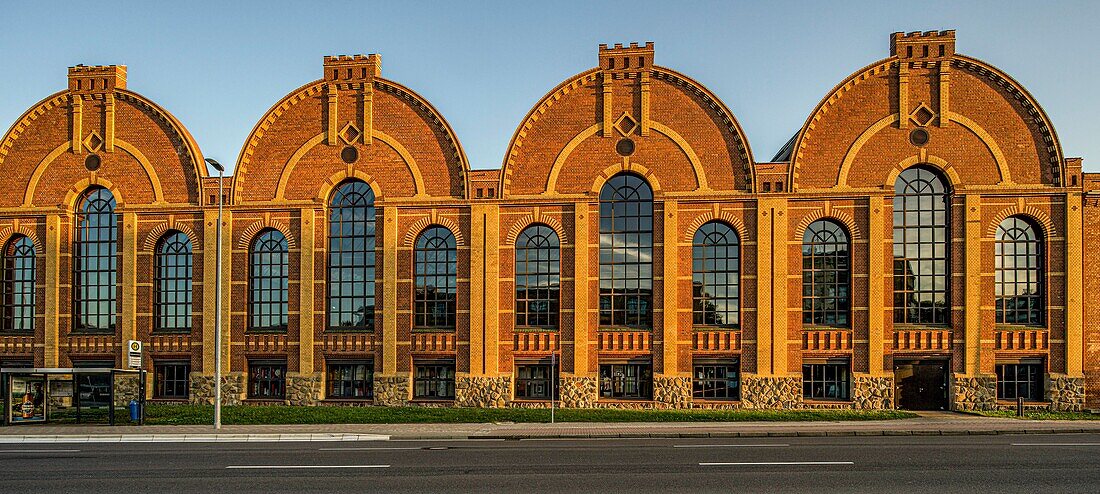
point(72, 395)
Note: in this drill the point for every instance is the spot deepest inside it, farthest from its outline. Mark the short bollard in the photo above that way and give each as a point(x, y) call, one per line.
point(135, 411)
point(1019, 406)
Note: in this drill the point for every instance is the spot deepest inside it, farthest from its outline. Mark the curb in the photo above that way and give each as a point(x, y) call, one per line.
point(710, 435)
point(189, 438)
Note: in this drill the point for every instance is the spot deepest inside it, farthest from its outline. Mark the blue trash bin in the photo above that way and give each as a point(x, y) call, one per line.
point(135, 411)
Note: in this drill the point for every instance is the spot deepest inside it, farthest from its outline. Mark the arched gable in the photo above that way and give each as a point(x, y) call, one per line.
point(351, 121)
point(975, 117)
point(97, 127)
point(677, 127)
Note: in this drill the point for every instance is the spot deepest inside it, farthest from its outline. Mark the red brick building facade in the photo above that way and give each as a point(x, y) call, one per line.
point(920, 243)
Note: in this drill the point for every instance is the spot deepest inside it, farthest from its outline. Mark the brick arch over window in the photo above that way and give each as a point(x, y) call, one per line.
point(245, 238)
point(723, 216)
point(149, 244)
point(9, 232)
point(710, 152)
point(423, 223)
point(862, 114)
point(324, 194)
point(531, 219)
point(403, 141)
point(123, 127)
point(1030, 213)
point(842, 217)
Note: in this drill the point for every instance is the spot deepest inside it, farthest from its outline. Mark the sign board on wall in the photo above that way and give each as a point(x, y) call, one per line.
point(134, 354)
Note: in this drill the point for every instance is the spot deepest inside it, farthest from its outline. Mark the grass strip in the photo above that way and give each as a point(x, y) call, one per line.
point(160, 414)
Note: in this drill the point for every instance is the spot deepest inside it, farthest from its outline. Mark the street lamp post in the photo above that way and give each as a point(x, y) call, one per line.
point(218, 302)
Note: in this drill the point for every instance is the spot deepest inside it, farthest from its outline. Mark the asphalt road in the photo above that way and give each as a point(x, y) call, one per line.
point(974, 464)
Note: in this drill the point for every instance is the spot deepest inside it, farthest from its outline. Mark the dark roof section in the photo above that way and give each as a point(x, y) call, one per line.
point(786, 151)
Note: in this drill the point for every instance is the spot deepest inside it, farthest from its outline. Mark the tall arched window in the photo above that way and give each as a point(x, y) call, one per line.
point(716, 276)
point(436, 279)
point(921, 270)
point(1019, 276)
point(95, 263)
point(268, 282)
point(351, 258)
point(18, 285)
point(826, 275)
point(538, 277)
point(626, 252)
point(173, 283)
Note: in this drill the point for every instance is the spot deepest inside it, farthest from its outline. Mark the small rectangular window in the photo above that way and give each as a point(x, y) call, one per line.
point(351, 380)
point(434, 381)
point(628, 381)
point(716, 380)
point(1023, 380)
point(480, 192)
point(171, 380)
point(267, 380)
point(826, 381)
point(535, 381)
point(767, 186)
point(492, 192)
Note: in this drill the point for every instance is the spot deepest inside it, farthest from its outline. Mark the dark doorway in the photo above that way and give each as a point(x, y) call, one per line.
point(921, 384)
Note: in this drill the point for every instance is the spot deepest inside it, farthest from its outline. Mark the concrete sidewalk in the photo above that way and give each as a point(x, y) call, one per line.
point(933, 424)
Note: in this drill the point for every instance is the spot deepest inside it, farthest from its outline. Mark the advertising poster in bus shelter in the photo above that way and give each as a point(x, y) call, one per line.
point(27, 399)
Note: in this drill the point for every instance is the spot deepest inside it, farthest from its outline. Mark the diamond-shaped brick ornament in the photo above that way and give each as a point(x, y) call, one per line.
point(349, 134)
point(93, 142)
point(626, 124)
point(922, 115)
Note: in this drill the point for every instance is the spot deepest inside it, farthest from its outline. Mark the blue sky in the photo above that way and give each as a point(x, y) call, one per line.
point(218, 66)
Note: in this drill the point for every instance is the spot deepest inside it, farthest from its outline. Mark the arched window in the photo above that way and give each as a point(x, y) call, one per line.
point(1019, 276)
point(268, 282)
point(716, 276)
point(538, 277)
point(826, 275)
point(95, 263)
point(173, 283)
point(18, 285)
point(351, 258)
point(436, 279)
point(626, 252)
point(921, 270)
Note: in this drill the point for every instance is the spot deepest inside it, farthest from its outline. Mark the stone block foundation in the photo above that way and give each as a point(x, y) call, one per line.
point(974, 393)
point(303, 389)
point(578, 391)
point(872, 393)
point(672, 391)
point(782, 393)
point(483, 392)
point(393, 391)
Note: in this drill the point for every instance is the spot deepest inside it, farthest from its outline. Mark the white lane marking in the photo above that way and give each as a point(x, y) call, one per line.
point(288, 467)
point(749, 463)
point(590, 438)
point(370, 449)
point(20, 451)
point(1056, 444)
point(731, 445)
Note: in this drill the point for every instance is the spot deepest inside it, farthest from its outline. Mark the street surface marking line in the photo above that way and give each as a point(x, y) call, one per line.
point(17, 451)
point(749, 463)
point(730, 445)
point(369, 449)
point(1056, 444)
point(280, 467)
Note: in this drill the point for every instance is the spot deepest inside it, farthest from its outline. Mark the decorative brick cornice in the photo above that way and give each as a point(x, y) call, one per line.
point(723, 216)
